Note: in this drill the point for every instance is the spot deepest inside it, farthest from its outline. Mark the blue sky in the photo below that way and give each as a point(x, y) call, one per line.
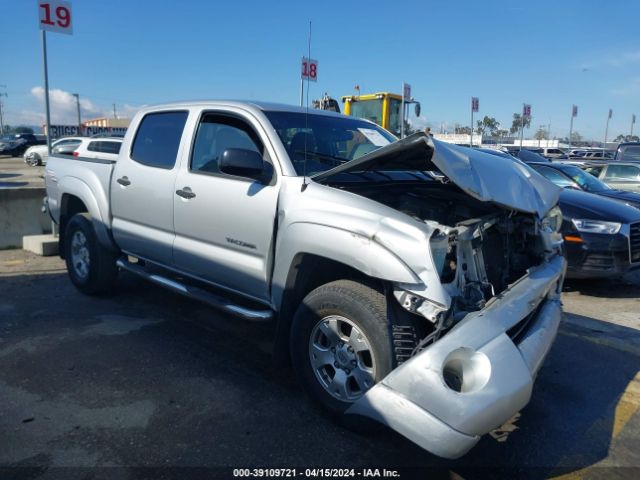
point(551, 54)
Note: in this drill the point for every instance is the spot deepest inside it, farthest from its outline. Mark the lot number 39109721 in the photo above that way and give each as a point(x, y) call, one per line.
point(55, 16)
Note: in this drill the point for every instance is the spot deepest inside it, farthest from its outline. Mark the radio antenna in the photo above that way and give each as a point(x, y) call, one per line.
point(306, 117)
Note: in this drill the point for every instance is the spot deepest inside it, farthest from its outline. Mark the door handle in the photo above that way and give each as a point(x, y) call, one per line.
point(124, 181)
point(185, 193)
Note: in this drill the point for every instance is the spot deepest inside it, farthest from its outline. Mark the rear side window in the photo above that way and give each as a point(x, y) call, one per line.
point(622, 172)
point(158, 138)
point(556, 177)
point(110, 147)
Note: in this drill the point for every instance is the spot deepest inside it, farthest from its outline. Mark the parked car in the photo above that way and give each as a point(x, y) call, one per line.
point(104, 148)
point(601, 226)
point(597, 155)
point(621, 175)
point(628, 151)
point(426, 305)
point(15, 144)
point(553, 153)
point(38, 154)
point(570, 176)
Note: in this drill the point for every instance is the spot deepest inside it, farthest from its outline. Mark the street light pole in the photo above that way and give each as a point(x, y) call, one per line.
point(78, 107)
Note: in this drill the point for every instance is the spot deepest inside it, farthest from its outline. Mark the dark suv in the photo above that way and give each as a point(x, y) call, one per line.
point(628, 151)
point(17, 143)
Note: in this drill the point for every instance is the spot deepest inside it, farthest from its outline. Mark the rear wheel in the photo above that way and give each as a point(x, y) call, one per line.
point(341, 343)
point(92, 268)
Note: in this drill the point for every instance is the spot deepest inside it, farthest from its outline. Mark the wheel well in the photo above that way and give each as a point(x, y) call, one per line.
point(306, 273)
point(69, 206)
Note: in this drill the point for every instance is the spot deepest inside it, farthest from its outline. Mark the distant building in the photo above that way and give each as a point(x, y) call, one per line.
point(94, 126)
point(106, 122)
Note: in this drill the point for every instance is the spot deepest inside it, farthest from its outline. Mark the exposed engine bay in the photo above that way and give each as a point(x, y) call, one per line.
point(478, 248)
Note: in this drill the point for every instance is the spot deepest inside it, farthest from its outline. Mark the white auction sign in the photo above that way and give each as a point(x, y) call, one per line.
point(309, 69)
point(55, 16)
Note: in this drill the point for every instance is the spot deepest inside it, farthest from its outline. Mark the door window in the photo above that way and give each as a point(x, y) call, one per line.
point(158, 138)
point(215, 134)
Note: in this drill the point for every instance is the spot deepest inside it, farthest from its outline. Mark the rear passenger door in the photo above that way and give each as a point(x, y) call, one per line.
point(225, 229)
point(142, 187)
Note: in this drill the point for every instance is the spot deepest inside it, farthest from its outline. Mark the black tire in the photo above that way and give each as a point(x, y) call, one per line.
point(35, 161)
point(100, 270)
point(366, 308)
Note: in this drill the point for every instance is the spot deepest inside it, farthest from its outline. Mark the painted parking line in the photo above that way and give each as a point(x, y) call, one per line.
point(628, 405)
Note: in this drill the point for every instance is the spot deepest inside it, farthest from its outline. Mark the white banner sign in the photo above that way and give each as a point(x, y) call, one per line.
point(55, 16)
point(57, 131)
point(309, 69)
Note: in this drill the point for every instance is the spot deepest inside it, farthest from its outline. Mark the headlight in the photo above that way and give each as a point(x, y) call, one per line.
point(553, 220)
point(596, 226)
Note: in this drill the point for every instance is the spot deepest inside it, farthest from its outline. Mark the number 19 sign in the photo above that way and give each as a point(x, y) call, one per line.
point(55, 16)
point(309, 69)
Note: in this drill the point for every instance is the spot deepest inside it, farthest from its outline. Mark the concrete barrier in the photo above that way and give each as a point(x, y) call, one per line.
point(20, 215)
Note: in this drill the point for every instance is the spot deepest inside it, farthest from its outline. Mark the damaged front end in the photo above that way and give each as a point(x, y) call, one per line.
point(486, 247)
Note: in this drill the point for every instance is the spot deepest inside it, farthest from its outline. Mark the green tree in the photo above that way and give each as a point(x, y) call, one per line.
point(626, 138)
point(501, 133)
point(23, 129)
point(488, 125)
point(541, 134)
point(518, 121)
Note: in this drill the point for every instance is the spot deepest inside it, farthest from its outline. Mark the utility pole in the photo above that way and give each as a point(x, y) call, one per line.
point(78, 107)
point(115, 115)
point(633, 120)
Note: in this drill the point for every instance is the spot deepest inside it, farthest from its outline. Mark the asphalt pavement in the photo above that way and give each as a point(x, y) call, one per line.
point(143, 378)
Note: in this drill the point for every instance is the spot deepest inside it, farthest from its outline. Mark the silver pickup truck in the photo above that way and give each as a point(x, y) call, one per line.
point(409, 281)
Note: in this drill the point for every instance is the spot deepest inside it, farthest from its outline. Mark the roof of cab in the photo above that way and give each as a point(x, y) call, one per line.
point(250, 104)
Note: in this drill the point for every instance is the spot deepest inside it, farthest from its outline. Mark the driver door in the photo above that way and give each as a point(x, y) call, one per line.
point(225, 229)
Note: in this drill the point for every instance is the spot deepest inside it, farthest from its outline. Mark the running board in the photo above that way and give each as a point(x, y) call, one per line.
point(196, 293)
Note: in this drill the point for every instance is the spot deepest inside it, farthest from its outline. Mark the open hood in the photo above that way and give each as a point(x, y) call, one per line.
point(488, 178)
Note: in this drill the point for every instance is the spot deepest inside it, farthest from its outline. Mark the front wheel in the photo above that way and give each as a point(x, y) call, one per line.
point(92, 268)
point(341, 343)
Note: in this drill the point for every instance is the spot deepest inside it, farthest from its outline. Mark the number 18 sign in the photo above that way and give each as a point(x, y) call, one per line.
point(55, 16)
point(309, 69)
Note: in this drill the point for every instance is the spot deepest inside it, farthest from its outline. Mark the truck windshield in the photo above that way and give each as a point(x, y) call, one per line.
point(316, 143)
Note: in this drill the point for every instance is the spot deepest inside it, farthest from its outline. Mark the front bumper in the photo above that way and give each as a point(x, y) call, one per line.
point(505, 344)
point(600, 255)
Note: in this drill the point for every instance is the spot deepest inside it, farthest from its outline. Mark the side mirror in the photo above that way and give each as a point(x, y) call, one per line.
point(242, 163)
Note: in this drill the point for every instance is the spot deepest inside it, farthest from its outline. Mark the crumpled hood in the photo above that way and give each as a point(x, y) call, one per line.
point(488, 178)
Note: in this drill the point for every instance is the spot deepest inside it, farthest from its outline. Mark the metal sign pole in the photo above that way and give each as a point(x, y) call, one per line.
point(46, 88)
point(606, 134)
point(522, 126)
point(471, 131)
point(402, 113)
point(301, 91)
